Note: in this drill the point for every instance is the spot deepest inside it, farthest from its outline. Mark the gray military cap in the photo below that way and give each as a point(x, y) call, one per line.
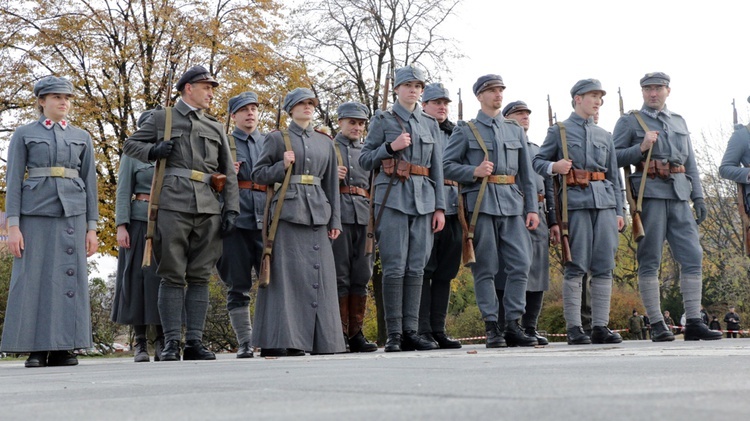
point(435, 91)
point(514, 107)
point(239, 101)
point(587, 85)
point(196, 74)
point(655, 78)
point(486, 82)
point(296, 96)
point(408, 74)
point(53, 85)
point(352, 110)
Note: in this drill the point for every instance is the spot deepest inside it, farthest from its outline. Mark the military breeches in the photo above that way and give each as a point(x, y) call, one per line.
point(243, 250)
point(593, 242)
point(404, 242)
point(353, 265)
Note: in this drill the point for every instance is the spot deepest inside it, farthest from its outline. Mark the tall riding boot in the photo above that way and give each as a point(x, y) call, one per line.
point(357, 340)
point(534, 300)
point(243, 329)
point(345, 319)
point(196, 309)
point(171, 303)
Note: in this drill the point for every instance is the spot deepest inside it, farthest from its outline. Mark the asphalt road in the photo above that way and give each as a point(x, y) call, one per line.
point(635, 380)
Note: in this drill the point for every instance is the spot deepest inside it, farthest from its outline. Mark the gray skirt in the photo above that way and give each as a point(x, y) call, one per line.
point(48, 301)
point(299, 308)
point(136, 287)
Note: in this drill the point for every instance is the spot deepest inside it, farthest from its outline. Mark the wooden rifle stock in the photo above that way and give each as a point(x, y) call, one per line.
point(467, 234)
point(744, 217)
point(564, 240)
point(635, 213)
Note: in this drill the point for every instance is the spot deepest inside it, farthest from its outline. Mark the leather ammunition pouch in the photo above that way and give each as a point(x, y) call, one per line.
point(581, 178)
point(404, 170)
point(218, 180)
point(663, 170)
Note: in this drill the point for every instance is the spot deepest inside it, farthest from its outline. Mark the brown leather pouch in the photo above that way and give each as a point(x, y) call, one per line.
point(388, 165)
point(576, 177)
point(662, 169)
point(403, 170)
point(218, 180)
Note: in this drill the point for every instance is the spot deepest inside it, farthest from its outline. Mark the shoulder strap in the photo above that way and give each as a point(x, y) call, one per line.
point(339, 158)
point(282, 193)
point(483, 187)
point(642, 188)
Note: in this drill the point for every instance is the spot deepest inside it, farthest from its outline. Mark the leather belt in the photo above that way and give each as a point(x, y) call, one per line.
point(249, 185)
point(305, 179)
point(61, 172)
point(142, 197)
point(419, 170)
point(191, 174)
point(577, 177)
point(540, 197)
point(662, 169)
point(450, 183)
point(359, 191)
point(501, 179)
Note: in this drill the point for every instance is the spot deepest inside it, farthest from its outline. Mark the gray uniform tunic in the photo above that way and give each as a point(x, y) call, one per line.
point(243, 248)
point(353, 265)
point(299, 308)
point(187, 246)
point(593, 210)
point(136, 287)
point(735, 165)
point(501, 226)
point(48, 301)
point(666, 210)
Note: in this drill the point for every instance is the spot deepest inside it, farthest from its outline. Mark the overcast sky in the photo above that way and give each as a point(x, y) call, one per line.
point(544, 47)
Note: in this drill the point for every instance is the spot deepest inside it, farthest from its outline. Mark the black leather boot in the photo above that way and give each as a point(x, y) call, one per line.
point(358, 343)
point(393, 344)
point(530, 331)
point(696, 330)
point(36, 359)
point(141, 351)
point(195, 350)
point(495, 337)
point(445, 341)
point(158, 348)
point(576, 336)
point(412, 341)
point(61, 358)
point(661, 333)
point(171, 351)
point(245, 350)
point(515, 336)
point(602, 335)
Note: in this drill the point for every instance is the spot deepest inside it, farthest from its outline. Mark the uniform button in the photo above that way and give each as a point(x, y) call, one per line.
point(70, 230)
point(316, 266)
point(316, 285)
point(70, 294)
point(70, 272)
point(70, 250)
point(316, 247)
point(314, 304)
point(307, 159)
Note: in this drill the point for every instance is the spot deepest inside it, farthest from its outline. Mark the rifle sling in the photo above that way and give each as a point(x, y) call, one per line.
point(158, 181)
point(563, 183)
point(268, 247)
point(642, 187)
point(397, 160)
point(483, 187)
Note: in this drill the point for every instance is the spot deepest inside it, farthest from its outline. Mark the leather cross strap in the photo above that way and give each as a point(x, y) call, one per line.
point(268, 247)
point(483, 187)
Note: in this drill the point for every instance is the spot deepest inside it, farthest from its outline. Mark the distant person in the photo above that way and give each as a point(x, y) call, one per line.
point(646, 326)
point(704, 316)
point(732, 319)
point(635, 325)
point(668, 320)
point(714, 325)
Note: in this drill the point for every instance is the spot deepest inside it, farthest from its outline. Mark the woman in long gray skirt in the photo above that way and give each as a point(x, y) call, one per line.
point(136, 287)
point(52, 214)
point(298, 311)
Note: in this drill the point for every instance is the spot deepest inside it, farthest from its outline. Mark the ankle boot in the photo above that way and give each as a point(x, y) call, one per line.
point(158, 348)
point(530, 331)
point(696, 330)
point(141, 350)
point(414, 342)
point(171, 351)
point(394, 343)
point(515, 336)
point(345, 322)
point(61, 358)
point(445, 341)
point(576, 336)
point(602, 335)
point(357, 341)
point(661, 333)
point(494, 335)
point(37, 359)
point(195, 350)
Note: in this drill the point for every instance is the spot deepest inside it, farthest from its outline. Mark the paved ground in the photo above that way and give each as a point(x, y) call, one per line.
point(636, 380)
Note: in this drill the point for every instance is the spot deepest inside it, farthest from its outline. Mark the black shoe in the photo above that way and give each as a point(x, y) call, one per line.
point(195, 350)
point(696, 330)
point(61, 358)
point(346, 342)
point(294, 352)
point(412, 341)
point(245, 350)
point(661, 333)
point(36, 359)
point(602, 335)
point(171, 351)
point(393, 344)
point(141, 351)
point(273, 352)
point(495, 337)
point(515, 336)
point(445, 341)
point(158, 348)
point(358, 343)
point(530, 331)
point(576, 336)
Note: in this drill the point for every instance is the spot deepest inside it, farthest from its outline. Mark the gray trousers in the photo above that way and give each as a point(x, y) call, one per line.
point(243, 250)
point(353, 266)
point(494, 235)
point(593, 242)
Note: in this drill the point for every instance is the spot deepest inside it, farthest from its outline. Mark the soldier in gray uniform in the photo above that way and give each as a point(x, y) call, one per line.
point(51, 203)
point(298, 310)
point(493, 147)
point(401, 142)
point(594, 209)
point(244, 247)
point(672, 180)
point(538, 281)
point(353, 263)
point(136, 287)
point(187, 242)
point(445, 258)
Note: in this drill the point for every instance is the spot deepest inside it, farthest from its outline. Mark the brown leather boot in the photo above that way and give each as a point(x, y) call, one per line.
point(357, 340)
point(344, 311)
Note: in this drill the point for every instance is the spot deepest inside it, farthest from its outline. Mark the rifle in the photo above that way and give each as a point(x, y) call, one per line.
point(230, 138)
point(460, 106)
point(638, 231)
point(158, 180)
point(561, 199)
point(742, 204)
